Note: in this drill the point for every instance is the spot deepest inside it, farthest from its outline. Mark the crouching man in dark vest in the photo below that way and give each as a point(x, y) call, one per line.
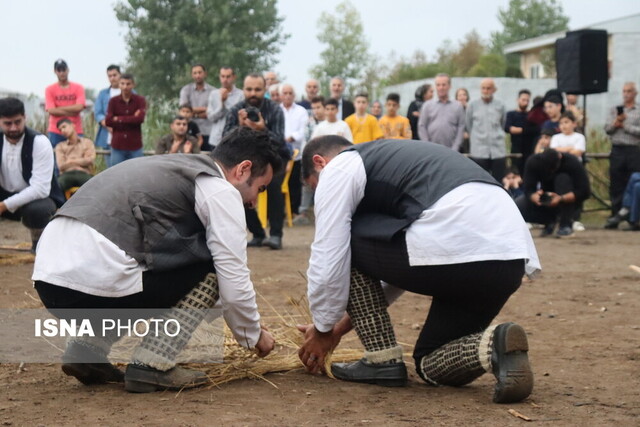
point(424, 219)
point(159, 232)
point(28, 188)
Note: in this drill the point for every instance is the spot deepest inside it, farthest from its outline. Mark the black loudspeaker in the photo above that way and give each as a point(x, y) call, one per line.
point(581, 62)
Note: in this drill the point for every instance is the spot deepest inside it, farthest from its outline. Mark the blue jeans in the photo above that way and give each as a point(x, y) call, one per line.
point(119, 156)
point(631, 197)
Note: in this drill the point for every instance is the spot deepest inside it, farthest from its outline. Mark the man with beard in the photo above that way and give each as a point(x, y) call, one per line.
point(28, 188)
point(312, 88)
point(197, 94)
point(261, 114)
point(345, 107)
point(220, 101)
point(178, 141)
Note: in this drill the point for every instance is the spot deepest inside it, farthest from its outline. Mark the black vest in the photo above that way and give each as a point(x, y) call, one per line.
point(146, 207)
point(26, 157)
point(403, 179)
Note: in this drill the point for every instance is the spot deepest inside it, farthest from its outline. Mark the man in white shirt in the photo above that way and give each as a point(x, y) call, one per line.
point(220, 102)
point(28, 189)
point(332, 125)
point(295, 124)
point(144, 235)
point(427, 220)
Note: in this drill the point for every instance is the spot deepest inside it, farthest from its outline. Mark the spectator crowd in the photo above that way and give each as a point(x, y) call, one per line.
point(545, 172)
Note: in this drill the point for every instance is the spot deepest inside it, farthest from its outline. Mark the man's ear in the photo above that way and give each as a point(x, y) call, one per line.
point(242, 171)
point(319, 162)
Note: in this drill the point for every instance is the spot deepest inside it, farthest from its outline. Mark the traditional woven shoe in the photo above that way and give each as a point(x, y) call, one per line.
point(384, 374)
point(144, 379)
point(74, 364)
point(510, 364)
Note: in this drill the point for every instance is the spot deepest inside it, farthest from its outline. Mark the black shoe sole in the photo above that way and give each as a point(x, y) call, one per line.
point(346, 375)
point(511, 364)
point(93, 373)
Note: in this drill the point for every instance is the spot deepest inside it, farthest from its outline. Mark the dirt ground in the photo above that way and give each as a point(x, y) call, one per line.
point(581, 315)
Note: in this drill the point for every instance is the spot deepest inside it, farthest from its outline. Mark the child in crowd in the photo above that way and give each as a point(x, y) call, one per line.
point(544, 141)
point(553, 107)
point(569, 141)
point(332, 125)
point(512, 182)
point(364, 126)
point(394, 126)
point(187, 112)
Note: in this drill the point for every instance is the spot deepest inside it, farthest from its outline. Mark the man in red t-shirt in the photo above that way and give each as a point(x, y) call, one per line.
point(63, 100)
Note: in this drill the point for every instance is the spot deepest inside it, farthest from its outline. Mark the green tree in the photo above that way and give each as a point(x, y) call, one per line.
point(470, 49)
point(347, 51)
point(525, 19)
point(490, 65)
point(166, 37)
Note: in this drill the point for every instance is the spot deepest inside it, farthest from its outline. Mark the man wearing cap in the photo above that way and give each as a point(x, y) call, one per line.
point(63, 100)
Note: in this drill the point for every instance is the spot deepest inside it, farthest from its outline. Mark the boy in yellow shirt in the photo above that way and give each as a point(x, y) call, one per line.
point(394, 126)
point(364, 127)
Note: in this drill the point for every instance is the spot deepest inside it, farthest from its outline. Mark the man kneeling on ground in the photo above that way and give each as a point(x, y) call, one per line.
point(145, 234)
point(424, 219)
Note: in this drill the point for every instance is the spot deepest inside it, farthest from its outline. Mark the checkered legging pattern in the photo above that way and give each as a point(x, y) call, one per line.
point(161, 351)
point(456, 363)
point(367, 308)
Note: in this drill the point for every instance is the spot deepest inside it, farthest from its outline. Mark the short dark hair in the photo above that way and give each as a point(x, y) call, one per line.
point(324, 146)
point(524, 91)
point(113, 67)
point(394, 97)
point(226, 67)
point(549, 162)
point(186, 105)
point(258, 76)
point(317, 99)
point(10, 107)
point(554, 99)
point(178, 117)
point(127, 76)
point(548, 132)
point(247, 144)
point(362, 95)
point(331, 101)
point(199, 65)
point(61, 121)
point(568, 115)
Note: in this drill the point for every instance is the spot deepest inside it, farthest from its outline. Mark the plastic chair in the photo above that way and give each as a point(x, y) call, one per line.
point(262, 197)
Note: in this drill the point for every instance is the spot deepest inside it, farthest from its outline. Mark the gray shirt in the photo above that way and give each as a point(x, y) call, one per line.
point(217, 112)
point(442, 123)
point(485, 124)
point(197, 98)
point(629, 134)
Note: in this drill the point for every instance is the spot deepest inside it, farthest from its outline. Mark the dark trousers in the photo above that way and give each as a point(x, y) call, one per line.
point(72, 179)
point(162, 289)
point(275, 211)
point(624, 161)
point(205, 144)
point(295, 187)
point(564, 213)
point(466, 297)
point(496, 167)
point(35, 214)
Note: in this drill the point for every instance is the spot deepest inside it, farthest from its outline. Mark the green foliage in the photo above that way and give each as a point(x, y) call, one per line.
point(598, 169)
point(347, 51)
point(166, 37)
point(525, 19)
point(490, 65)
point(454, 60)
point(548, 61)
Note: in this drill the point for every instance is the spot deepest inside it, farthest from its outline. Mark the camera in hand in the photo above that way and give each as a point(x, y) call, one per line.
point(253, 114)
point(545, 199)
point(620, 109)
